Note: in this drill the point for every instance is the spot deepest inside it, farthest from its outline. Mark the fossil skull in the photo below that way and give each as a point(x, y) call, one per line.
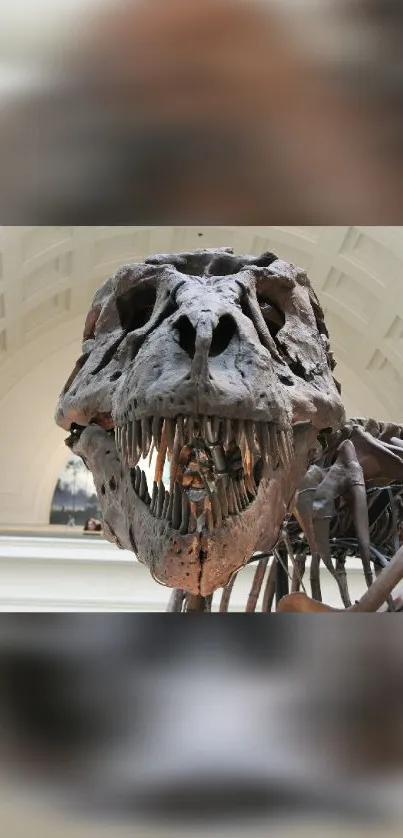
point(216, 369)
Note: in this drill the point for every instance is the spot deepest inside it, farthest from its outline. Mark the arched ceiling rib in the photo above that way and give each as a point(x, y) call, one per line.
point(49, 274)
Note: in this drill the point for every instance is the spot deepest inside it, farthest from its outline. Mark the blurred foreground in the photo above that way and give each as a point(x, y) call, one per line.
point(226, 111)
point(200, 725)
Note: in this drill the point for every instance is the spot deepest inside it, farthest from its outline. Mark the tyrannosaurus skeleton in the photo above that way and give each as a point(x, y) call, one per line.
point(217, 370)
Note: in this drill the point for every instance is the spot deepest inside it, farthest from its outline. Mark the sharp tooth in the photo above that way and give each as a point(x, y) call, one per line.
point(145, 436)
point(134, 442)
point(137, 479)
point(170, 428)
point(208, 515)
point(216, 510)
point(239, 428)
point(242, 493)
point(238, 502)
point(124, 444)
point(166, 504)
point(129, 445)
point(227, 432)
point(263, 440)
point(143, 486)
point(150, 458)
point(222, 497)
point(216, 424)
point(160, 500)
point(185, 514)
point(156, 429)
point(231, 498)
point(219, 458)
point(154, 497)
point(250, 486)
point(121, 429)
point(174, 462)
point(192, 522)
point(177, 507)
point(208, 430)
point(160, 461)
point(193, 517)
point(190, 427)
point(117, 436)
point(237, 494)
point(282, 442)
point(170, 506)
point(181, 430)
point(250, 436)
point(273, 445)
point(247, 456)
point(133, 458)
point(201, 522)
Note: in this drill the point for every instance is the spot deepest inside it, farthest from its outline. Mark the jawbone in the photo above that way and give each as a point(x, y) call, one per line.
point(202, 561)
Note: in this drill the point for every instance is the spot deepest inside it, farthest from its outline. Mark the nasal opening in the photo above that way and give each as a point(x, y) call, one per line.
point(222, 335)
point(187, 335)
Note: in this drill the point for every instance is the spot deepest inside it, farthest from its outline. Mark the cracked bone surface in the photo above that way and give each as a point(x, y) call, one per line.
point(214, 371)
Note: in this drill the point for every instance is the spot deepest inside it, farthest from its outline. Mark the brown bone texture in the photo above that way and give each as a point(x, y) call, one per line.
point(225, 353)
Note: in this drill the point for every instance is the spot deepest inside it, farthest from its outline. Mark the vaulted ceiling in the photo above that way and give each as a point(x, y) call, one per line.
point(48, 276)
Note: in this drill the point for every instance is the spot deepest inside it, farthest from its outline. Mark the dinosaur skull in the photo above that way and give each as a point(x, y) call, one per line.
point(222, 365)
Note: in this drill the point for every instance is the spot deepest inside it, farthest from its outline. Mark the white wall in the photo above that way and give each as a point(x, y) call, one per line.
point(89, 574)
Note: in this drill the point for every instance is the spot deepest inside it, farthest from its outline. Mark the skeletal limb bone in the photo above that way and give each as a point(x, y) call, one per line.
point(257, 585)
point(226, 594)
point(379, 459)
point(270, 588)
point(303, 514)
point(176, 600)
point(194, 602)
point(298, 572)
point(315, 510)
point(345, 477)
point(373, 600)
point(292, 558)
point(282, 577)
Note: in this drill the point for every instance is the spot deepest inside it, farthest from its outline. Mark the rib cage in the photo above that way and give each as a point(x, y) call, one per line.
point(385, 515)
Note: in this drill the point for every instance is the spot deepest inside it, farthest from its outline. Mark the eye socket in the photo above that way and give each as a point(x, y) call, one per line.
point(274, 318)
point(136, 306)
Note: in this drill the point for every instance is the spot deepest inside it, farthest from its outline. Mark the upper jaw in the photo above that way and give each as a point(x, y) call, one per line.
point(215, 466)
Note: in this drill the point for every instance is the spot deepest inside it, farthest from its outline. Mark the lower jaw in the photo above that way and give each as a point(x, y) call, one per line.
point(201, 563)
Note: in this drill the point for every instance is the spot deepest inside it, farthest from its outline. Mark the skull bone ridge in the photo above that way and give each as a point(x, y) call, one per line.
point(213, 370)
